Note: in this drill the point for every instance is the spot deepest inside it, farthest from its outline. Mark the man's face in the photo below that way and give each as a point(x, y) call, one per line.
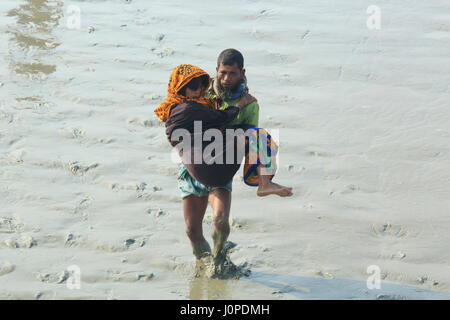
point(229, 76)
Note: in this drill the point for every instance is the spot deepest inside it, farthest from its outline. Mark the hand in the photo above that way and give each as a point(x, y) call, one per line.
point(245, 100)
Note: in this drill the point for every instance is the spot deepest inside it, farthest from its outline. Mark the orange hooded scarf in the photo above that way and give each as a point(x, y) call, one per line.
point(179, 77)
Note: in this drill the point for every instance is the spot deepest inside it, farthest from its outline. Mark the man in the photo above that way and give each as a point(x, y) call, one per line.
point(228, 88)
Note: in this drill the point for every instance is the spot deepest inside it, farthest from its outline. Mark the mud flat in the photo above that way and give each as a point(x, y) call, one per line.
point(87, 184)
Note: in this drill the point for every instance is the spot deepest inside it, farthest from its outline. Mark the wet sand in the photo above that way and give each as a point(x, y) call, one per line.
point(86, 177)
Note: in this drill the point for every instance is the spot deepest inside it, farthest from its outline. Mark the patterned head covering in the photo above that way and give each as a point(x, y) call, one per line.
point(179, 77)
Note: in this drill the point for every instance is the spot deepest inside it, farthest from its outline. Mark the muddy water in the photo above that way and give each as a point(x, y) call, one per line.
point(42, 78)
point(31, 50)
point(32, 41)
point(79, 139)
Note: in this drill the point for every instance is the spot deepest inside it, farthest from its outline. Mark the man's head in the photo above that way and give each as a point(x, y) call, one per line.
point(230, 69)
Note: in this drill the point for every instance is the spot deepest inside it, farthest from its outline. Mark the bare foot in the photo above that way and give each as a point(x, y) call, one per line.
point(274, 188)
point(221, 256)
point(201, 248)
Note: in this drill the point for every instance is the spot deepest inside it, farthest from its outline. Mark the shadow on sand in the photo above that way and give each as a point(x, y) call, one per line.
point(311, 288)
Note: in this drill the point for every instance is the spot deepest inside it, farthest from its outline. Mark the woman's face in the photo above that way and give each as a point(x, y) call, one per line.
point(194, 94)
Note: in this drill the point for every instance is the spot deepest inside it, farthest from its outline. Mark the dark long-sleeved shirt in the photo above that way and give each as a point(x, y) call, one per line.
point(182, 116)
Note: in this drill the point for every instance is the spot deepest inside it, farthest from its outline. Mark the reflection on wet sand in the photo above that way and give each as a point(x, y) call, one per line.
point(36, 19)
point(204, 288)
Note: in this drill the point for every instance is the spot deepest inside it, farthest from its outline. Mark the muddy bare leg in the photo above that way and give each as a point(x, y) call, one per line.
point(194, 209)
point(220, 201)
point(200, 248)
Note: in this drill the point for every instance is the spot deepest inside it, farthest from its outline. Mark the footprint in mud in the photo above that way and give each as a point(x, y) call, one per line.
point(72, 133)
point(156, 212)
point(399, 255)
point(6, 267)
point(129, 276)
point(388, 229)
point(70, 240)
point(78, 169)
point(106, 140)
point(135, 242)
point(25, 241)
point(81, 209)
point(11, 225)
point(146, 122)
point(350, 189)
point(237, 224)
point(6, 117)
point(427, 280)
point(15, 156)
point(162, 53)
point(223, 268)
point(54, 277)
point(319, 154)
point(82, 205)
